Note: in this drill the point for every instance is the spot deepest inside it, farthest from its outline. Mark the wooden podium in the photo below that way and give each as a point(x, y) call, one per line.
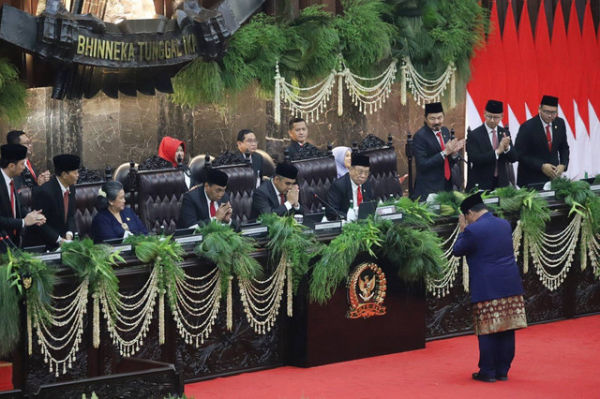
point(322, 334)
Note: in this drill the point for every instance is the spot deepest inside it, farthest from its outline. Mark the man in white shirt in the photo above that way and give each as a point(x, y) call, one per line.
point(28, 178)
point(353, 186)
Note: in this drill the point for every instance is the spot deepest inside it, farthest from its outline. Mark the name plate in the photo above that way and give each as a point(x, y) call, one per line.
point(385, 210)
point(50, 257)
point(492, 200)
point(121, 248)
point(258, 230)
point(595, 187)
point(547, 194)
point(328, 226)
point(189, 239)
point(394, 216)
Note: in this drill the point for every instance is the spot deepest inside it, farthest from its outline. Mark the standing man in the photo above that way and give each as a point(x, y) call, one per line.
point(13, 219)
point(435, 153)
point(542, 145)
point(352, 186)
point(28, 178)
point(205, 203)
point(298, 132)
point(247, 143)
point(489, 151)
point(495, 286)
point(279, 195)
point(56, 199)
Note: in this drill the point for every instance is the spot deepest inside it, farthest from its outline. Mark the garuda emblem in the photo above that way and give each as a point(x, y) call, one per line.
point(366, 291)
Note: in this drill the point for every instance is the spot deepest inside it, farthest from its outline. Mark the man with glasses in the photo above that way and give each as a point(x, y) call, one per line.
point(542, 145)
point(353, 186)
point(490, 152)
point(247, 143)
point(435, 154)
point(28, 178)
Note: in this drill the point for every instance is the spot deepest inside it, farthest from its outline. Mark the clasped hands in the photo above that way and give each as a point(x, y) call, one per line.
point(224, 213)
point(552, 171)
point(292, 195)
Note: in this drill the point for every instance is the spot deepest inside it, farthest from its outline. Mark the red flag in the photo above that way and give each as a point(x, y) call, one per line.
point(561, 66)
point(543, 55)
point(587, 61)
point(516, 83)
point(529, 70)
point(487, 71)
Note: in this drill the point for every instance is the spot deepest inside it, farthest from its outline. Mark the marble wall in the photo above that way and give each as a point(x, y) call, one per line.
point(108, 132)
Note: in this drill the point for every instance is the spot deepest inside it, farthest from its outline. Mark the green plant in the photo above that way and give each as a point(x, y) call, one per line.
point(336, 258)
point(290, 239)
point(416, 252)
point(22, 275)
point(449, 202)
point(229, 251)
point(415, 213)
point(13, 96)
point(94, 262)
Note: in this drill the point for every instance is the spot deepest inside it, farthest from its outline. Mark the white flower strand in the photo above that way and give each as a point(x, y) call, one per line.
point(118, 323)
point(369, 99)
point(262, 305)
point(591, 243)
point(70, 315)
point(441, 287)
point(565, 241)
point(427, 90)
point(185, 304)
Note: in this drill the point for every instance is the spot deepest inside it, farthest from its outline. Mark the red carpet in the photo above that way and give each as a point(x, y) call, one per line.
point(556, 360)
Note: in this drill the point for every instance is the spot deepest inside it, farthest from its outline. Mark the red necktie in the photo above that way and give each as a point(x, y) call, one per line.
point(495, 145)
point(31, 170)
point(359, 198)
point(213, 210)
point(282, 199)
point(12, 198)
point(549, 137)
point(66, 203)
point(446, 163)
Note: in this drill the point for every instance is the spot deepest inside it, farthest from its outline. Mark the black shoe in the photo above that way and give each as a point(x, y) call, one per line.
point(502, 377)
point(481, 377)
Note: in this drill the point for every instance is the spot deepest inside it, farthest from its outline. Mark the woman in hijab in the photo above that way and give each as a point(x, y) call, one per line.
point(170, 154)
point(343, 157)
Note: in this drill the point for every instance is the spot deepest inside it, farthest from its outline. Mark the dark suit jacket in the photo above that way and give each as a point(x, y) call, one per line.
point(430, 164)
point(49, 199)
point(10, 225)
point(257, 163)
point(493, 272)
point(25, 180)
point(294, 148)
point(106, 227)
point(194, 208)
point(340, 194)
point(482, 160)
point(532, 147)
point(265, 200)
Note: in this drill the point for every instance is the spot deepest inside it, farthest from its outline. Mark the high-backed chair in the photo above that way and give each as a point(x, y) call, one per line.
point(240, 187)
point(158, 198)
point(25, 197)
point(268, 163)
point(384, 169)
point(315, 176)
point(85, 206)
point(196, 166)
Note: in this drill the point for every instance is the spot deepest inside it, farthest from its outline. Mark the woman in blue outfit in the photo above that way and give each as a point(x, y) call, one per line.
point(113, 219)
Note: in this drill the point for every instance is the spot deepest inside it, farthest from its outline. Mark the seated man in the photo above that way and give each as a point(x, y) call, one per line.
point(298, 132)
point(13, 219)
point(56, 200)
point(247, 143)
point(279, 195)
point(353, 186)
point(205, 203)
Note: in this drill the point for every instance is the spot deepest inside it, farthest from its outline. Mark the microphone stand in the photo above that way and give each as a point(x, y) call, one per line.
point(408, 149)
point(328, 205)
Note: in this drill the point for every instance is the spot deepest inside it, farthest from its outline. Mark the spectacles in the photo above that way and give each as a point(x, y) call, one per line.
point(493, 117)
point(546, 112)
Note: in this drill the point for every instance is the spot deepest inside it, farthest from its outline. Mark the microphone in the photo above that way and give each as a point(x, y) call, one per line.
point(338, 213)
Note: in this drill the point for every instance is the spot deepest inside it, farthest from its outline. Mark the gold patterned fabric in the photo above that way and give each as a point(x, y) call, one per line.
point(497, 315)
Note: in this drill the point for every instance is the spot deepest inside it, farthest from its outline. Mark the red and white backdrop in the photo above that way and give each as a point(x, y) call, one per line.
point(518, 66)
